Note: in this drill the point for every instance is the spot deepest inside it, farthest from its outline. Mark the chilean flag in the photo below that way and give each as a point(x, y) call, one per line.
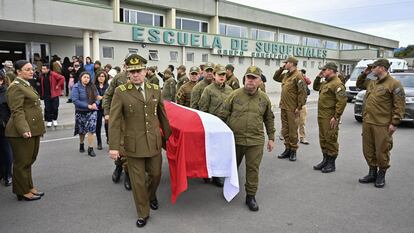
point(201, 146)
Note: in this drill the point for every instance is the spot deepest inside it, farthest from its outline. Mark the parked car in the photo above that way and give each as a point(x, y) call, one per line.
point(407, 81)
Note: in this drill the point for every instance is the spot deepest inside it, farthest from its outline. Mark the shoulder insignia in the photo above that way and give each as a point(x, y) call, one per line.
point(155, 86)
point(122, 87)
point(148, 86)
point(16, 82)
point(339, 89)
point(399, 92)
point(130, 86)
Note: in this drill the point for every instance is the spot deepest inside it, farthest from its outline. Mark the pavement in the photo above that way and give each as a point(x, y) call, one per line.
point(293, 198)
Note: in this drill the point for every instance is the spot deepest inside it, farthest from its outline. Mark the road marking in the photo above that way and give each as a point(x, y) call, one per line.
point(58, 139)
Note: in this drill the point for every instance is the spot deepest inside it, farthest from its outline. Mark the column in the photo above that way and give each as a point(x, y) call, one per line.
point(116, 8)
point(95, 44)
point(86, 45)
point(170, 19)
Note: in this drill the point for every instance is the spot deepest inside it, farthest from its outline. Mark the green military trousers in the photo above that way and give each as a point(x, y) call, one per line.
point(253, 155)
point(328, 138)
point(289, 129)
point(376, 145)
point(144, 188)
point(25, 152)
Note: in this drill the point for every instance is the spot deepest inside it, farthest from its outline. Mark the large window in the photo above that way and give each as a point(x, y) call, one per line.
point(257, 34)
point(233, 30)
point(346, 46)
point(289, 38)
point(312, 42)
point(141, 17)
point(174, 56)
point(108, 52)
point(332, 44)
point(191, 25)
point(360, 46)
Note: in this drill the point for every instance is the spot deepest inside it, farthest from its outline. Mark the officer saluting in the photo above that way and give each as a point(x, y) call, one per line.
point(139, 106)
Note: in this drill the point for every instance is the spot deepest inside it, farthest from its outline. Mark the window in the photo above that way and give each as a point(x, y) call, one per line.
point(331, 44)
point(132, 50)
point(174, 56)
point(190, 57)
point(231, 59)
point(191, 25)
point(233, 30)
point(108, 52)
point(241, 60)
point(305, 64)
point(289, 38)
point(153, 55)
point(346, 46)
point(312, 42)
point(140, 17)
point(78, 50)
point(360, 46)
point(204, 57)
point(257, 34)
point(267, 62)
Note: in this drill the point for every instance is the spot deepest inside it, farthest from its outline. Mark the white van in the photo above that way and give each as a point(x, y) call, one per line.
point(352, 91)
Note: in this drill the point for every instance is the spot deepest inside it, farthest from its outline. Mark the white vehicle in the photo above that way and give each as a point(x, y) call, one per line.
point(352, 91)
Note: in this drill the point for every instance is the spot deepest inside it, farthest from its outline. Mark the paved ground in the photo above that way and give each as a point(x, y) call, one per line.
point(80, 196)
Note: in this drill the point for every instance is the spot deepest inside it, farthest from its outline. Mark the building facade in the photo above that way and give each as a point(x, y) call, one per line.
point(179, 32)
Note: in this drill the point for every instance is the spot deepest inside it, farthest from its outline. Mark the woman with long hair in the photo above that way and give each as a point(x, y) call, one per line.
point(89, 67)
point(101, 83)
point(24, 129)
point(84, 97)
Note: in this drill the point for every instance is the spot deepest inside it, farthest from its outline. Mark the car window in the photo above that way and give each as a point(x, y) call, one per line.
point(407, 80)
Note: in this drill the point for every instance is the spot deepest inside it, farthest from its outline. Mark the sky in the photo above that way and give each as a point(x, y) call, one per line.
point(392, 19)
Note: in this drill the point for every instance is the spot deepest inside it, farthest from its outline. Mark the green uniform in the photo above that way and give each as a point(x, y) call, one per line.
point(384, 105)
point(213, 98)
point(143, 117)
point(26, 116)
point(233, 82)
point(118, 80)
point(168, 90)
point(293, 97)
point(10, 75)
point(154, 80)
point(184, 94)
point(183, 79)
point(331, 103)
point(245, 114)
point(197, 91)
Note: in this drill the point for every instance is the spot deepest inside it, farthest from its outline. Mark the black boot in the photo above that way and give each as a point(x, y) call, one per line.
point(285, 154)
point(380, 181)
point(127, 182)
point(292, 155)
point(81, 147)
point(116, 175)
point(99, 147)
point(251, 203)
point(330, 164)
point(91, 152)
point(321, 164)
point(218, 181)
point(371, 177)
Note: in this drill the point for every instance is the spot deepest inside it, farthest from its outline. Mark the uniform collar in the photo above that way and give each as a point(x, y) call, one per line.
point(24, 81)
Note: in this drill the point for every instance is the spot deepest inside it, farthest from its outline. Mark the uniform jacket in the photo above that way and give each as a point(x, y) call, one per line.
point(26, 113)
point(142, 118)
point(56, 84)
point(332, 97)
point(245, 114)
point(213, 98)
point(183, 96)
point(233, 82)
point(384, 100)
point(168, 90)
point(293, 94)
point(118, 80)
point(154, 79)
point(4, 110)
point(182, 80)
point(197, 91)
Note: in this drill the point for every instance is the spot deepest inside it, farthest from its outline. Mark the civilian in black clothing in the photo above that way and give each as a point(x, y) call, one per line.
point(51, 88)
point(101, 82)
point(6, 156)
point(66, 69)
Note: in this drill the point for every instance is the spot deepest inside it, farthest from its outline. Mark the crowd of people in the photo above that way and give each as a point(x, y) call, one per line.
point(132, 96)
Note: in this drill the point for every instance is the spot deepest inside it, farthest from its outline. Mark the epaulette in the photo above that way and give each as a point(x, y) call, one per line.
point(155, 86)
point(122, 87)
point(130, 86)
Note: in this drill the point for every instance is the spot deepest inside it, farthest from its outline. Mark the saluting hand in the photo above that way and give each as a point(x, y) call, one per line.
point(270, 145)
point(114, 154)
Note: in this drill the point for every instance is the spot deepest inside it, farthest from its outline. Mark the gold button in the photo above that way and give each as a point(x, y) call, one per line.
point(33, 119)
point(146, 114)
point(145, 106)
point(146, 123)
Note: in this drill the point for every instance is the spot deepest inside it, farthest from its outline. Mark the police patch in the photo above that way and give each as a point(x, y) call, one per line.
point(399, 92)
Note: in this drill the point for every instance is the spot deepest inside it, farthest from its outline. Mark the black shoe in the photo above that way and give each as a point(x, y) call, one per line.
point(285, 154)
point(33, 198)
point(218, 181)
point(127, 182)
point(322, 164)
point(371, 177)
point(251, 203)
point(380, 181)
point(40, 194)
point(116, 175)
point(330, 164)
point(91, 152)
point(292, 155)
point(69, 101)
point(7, 181)
point(154, 204)
point(99, 147)
point(81, 147)
point(141, 222)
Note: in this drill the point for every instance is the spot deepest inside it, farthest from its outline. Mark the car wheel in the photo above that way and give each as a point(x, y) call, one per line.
point(358, 118)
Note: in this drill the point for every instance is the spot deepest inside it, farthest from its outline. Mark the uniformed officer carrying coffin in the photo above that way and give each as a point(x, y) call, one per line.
point(139, 106)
